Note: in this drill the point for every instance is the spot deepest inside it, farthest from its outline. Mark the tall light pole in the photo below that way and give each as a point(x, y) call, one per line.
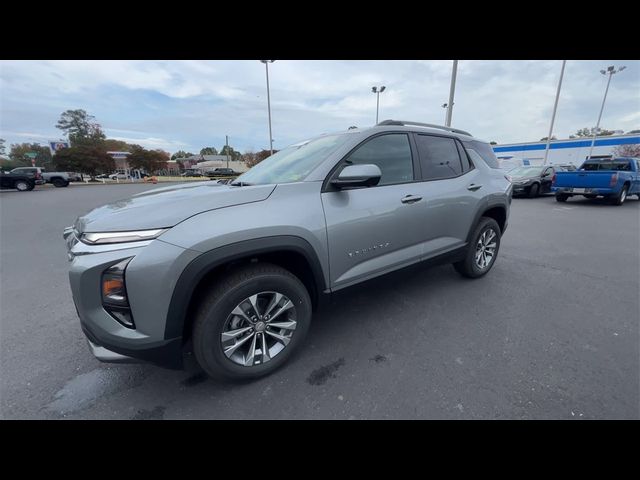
point(609, 71)
point(446, 111)
point(452, 91)
point(378, 91)
point(266, 64)
point(553, 115)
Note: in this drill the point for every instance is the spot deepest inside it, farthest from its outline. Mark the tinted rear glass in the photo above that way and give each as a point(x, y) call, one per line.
point(617, 166)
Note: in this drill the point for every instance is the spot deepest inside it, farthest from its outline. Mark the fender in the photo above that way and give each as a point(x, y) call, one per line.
point(203, 264)
point(484, 206)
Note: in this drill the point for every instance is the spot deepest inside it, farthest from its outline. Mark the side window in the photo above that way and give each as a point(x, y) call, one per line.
point(548, 171)
point(392, 153)
point(438, 157)
point(467, 164)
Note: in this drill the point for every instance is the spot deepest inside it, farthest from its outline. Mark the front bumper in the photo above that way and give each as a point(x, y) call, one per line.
point(149, 284)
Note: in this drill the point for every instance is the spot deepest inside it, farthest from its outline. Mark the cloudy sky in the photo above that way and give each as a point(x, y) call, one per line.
point(186, 105)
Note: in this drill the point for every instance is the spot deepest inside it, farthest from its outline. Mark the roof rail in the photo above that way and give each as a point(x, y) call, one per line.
point(418, 124)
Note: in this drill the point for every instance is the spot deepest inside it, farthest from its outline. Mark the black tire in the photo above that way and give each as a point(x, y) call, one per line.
point(534, 190)
point(468, 266)
point(561, 198)
point(23, 186)
point(621, 197)
point(59, 182)
point(224, 296)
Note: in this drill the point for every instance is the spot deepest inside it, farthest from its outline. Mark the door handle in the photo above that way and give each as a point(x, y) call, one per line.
point(411, 199)
point(473, 187)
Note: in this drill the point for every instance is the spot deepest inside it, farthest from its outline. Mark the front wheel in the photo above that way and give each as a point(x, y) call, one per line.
point(561, 198)
point(482, 251)
point(251, 322)
point(534, 190)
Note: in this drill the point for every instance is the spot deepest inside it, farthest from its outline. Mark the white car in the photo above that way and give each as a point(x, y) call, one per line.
point(119, 176)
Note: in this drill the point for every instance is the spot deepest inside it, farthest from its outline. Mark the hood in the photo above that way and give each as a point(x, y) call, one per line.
point(168, 206)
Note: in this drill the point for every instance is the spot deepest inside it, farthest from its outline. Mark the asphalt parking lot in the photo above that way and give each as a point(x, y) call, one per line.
point(552, 332)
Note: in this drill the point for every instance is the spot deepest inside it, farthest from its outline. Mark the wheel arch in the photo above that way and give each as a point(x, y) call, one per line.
point(291, 252)
point(496, 211)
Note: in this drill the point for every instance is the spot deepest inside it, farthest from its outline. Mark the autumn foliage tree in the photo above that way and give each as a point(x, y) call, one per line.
point(147, 160)
point(251, 159)
point(90, 159)
point(629, 150)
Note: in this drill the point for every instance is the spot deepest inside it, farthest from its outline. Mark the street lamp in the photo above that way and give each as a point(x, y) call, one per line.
point(446, 112)
point(378, 91)
point(609, 71)
point(266, 64)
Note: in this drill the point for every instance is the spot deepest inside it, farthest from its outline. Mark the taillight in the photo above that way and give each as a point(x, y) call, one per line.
point(553, 179)
point(614, 180)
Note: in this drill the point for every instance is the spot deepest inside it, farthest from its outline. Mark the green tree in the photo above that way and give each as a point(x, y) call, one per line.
point(493, 143)
point(147, 160)
point(19, 155)
point(80, 127)
point(90, 159)
point(181, 154)
point(233, 154)
point(208, 151)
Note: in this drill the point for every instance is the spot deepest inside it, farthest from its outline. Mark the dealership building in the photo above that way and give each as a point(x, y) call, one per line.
point(570, 151)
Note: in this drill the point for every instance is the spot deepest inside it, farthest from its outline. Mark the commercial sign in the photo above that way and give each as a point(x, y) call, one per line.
point(55, 146)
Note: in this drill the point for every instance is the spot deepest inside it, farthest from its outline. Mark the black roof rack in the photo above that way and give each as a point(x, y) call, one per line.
point(418, 124)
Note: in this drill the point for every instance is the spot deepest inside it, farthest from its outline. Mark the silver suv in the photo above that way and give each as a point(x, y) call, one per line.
point(232, 273)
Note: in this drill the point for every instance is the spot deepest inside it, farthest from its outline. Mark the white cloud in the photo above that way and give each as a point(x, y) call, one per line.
point(191, 104)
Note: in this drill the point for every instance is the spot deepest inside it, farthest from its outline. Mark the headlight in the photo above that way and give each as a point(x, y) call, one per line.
point(121, 237)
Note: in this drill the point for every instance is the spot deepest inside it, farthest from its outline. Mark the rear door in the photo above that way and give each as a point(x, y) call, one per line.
point(452, 188)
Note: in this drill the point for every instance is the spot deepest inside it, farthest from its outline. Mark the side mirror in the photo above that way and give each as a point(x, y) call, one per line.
point(367, 175)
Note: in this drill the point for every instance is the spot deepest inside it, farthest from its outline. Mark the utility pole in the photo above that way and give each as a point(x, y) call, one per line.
point(452, 91)
point(378, 91)
point(553, 115)
point(266, 64)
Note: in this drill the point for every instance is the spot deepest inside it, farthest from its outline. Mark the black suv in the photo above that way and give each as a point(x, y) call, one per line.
point(222, 172)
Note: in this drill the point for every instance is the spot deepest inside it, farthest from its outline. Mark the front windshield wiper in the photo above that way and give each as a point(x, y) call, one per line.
point(240, 184)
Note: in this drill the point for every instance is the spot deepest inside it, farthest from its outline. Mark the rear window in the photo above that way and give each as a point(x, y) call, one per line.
point(616, 166)
point(484, 151)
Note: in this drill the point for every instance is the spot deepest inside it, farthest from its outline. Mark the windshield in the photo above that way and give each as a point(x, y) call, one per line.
point(293, 163)
point(525, 171)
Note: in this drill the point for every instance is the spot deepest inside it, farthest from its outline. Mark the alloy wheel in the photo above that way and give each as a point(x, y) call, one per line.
point(258, 328)
point(486, 248)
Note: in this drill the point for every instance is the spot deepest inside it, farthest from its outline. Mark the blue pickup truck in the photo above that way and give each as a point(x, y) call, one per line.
point(612, 178)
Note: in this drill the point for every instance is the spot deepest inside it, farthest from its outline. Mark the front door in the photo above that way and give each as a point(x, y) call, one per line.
point(376, 229)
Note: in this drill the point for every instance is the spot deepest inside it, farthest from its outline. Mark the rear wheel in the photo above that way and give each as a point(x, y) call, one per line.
point(561, 198)
point(251, 322)
point(23, 186)
point(59, 182)
point(482, 251)
point(534, 190)
point(621, 197)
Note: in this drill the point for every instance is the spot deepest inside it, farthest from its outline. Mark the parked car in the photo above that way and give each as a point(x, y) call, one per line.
point(191, 173)
point(531, 180)
point(233, 274)
point(57, 179)
point(612, 178)
point(119, 176)
point(223, 181)
point(221, 172)
point(35, 173)
point(18, 181)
